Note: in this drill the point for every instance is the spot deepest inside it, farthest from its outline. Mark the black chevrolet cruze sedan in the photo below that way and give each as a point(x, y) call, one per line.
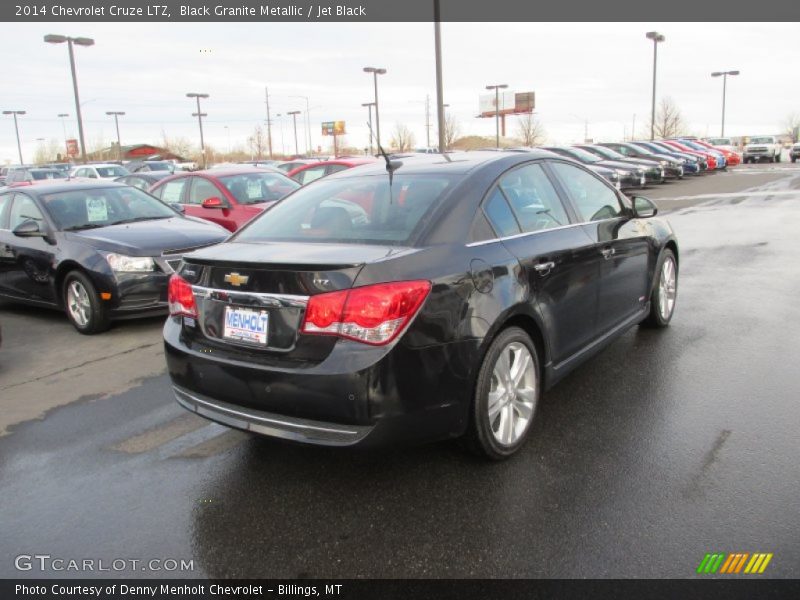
point(436, 300)
point(97, 250)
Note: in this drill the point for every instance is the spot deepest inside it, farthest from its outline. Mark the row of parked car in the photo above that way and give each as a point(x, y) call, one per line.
point(142, 235)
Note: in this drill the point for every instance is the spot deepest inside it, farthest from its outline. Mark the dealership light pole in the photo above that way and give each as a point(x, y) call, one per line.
point(497, 89)
point(16, 128)
point(294, 114)
point(437, 42)
point(200, 115)
point(80, 41)
point(369, 106)
point(116, 114)
point(310, 149)
point(375, 72)
point(656, 37)
point(724, 75)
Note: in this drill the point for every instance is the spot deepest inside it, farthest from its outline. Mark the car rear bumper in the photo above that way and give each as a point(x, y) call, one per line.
point(358, 395)
point(264, 423)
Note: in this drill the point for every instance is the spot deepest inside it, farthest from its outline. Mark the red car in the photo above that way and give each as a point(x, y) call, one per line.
point(228, 197)
point(712, 162)
point(731, 158)
point(307, 173)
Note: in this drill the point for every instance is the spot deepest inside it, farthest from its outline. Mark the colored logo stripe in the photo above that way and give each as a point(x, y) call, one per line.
point(734, 562)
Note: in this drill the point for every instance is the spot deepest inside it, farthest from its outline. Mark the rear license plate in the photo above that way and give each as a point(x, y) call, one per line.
point(246, 325)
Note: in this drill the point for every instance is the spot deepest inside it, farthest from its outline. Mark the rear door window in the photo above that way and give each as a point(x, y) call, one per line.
point(594, 200)
point(533, 198)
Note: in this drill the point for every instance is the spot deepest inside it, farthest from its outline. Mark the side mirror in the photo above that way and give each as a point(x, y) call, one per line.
point(178, 208)
point(644, 208)
point(213, 202)
point(28, 228)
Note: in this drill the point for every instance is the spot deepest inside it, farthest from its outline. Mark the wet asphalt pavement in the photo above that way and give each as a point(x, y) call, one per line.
point(668, 445)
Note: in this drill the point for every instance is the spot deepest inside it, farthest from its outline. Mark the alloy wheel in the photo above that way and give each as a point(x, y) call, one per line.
point(512, 393)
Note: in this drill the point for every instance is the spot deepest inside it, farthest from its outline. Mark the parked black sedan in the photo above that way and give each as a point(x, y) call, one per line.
point(98, 250)
point(630, 176)
point(436, 303)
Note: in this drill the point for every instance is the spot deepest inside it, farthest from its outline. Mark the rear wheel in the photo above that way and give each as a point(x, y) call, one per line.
point(665, 291)
point(83, 305)
point(506, 396)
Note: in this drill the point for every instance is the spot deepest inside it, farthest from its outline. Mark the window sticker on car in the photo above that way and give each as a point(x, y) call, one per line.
point(253, 188)
point(96, 209)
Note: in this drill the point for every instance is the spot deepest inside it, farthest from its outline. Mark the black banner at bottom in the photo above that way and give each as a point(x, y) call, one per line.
point(391, 589)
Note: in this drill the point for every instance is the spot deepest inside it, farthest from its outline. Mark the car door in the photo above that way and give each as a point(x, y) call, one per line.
point(30, 274)
point(556, 255)
point(201, 189)
point(622, 242)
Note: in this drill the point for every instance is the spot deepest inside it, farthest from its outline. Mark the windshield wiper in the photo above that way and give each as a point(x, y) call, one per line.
point(134, 219)
point(84, 226)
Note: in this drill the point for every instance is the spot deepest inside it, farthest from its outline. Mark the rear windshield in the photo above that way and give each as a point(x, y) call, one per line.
point(351, 210)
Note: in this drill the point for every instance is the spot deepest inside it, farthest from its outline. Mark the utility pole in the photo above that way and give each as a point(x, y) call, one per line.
point(16, 128)
point(116, 115)
point(269, 123)
point(200, 116)
point(294, 114)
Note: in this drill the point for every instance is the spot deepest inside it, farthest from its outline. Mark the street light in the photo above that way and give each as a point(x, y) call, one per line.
point(294, 114)
point(116, 115)
point(309, 147)
point(497, 89)
point(724, 75)
point(656, 37)
point(200, 116)
point(16, 127)
point(369, 106)
point(375, 72)
point(80, 41)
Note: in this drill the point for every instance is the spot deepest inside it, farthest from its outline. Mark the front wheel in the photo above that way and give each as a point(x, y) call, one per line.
point(506, 396)
point(83, 305)
point(665, 291)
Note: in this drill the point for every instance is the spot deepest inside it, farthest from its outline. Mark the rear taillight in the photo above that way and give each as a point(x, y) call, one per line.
point(181, 297)
point(373, 314)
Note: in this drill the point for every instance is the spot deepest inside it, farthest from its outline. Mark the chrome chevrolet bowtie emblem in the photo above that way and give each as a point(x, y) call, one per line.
point(235, 279)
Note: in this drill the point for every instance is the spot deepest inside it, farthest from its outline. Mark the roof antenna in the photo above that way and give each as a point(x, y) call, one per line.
point(391, 165)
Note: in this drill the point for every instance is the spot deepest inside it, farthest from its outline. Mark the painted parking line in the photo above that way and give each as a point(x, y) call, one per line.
point(734, 195)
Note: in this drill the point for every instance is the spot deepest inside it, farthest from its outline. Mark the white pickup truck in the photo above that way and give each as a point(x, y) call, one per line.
point(762, 146)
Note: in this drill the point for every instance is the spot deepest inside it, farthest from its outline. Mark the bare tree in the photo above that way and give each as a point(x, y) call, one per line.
point(257, 142)
point(49, 152)
point(402, 138)
point(530, 130)
point(452, 131)
point(179, 145)
point(791, 124)
point(669, 120)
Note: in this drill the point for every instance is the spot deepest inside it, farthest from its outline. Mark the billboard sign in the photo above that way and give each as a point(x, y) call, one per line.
point(510, 103)
point(333, 128)
point(72, 148)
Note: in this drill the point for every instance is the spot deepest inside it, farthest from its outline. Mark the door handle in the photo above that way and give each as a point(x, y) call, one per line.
point(543, 268)
point(608, 252)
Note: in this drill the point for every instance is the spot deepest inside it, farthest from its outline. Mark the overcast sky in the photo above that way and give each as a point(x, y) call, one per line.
point(595, 72)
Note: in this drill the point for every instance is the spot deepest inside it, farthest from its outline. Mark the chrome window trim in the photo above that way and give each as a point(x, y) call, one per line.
point(527, 233)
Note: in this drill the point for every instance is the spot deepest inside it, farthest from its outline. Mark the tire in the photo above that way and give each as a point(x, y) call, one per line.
point(501, 434)
point(664, 294)
point(82, 304)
